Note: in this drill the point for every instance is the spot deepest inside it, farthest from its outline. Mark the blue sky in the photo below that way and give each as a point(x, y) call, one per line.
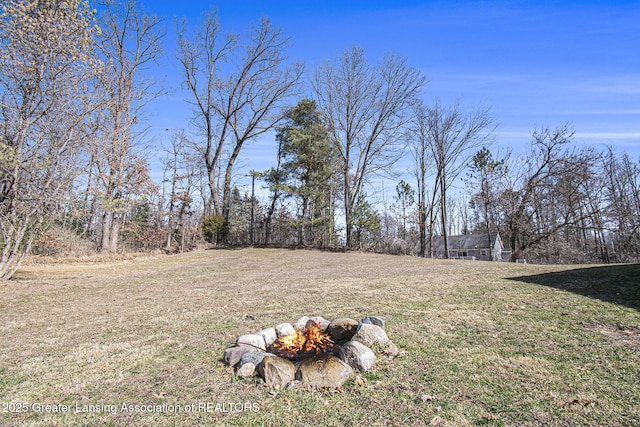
point(542, 63)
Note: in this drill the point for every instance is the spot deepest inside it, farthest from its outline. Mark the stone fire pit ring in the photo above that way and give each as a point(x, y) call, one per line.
point(312, 352)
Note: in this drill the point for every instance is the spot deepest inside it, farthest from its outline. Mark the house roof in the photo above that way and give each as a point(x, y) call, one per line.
point(467, 242)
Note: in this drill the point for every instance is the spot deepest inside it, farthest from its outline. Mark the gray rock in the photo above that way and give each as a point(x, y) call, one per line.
point(369, 334)
point(373, 320)
point(324, 323)
point(269, 335)
point(233, 355)
point(324, 371)
point(254, 357)
point(253, 340)
point(284, 329)
point(276, 371)
point(301, 323)
point(357, 355)
point(246, 370)
point(342, 329)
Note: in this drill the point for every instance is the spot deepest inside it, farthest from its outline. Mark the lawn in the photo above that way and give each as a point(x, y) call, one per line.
point(140, 341)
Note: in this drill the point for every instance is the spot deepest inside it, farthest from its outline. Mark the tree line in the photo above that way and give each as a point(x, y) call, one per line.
point(75, 88)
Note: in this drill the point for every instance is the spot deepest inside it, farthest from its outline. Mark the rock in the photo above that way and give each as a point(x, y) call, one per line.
point(373, 320)
point(269, 335)
point(254, 357)
point(246, 370)
point(324, 323)
point(389, 349)
point(369, 334)
point(284, 329)
point(357, 355)
point(253, 340)
point(324, 371)
point(342, 329)
point(374, 337)
point(276, 371)
point(233, 355)
point(301, 323)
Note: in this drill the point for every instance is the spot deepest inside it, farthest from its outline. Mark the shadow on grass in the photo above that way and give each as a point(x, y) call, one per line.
point(619, 284)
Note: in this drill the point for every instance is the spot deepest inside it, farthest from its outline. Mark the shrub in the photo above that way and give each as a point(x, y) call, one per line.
point(214, 228)
point(59, 242)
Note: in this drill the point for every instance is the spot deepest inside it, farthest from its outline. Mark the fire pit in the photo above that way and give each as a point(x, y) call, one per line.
point(313, 352)
point(311, 341)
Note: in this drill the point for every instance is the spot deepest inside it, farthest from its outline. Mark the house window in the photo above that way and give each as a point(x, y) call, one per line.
point(483, 252)
point(462, 254)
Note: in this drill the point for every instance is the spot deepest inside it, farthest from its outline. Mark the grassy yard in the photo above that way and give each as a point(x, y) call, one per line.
point(140, 342)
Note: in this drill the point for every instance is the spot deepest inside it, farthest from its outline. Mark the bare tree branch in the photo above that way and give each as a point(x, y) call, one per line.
point(365, 109)
point(234, 104)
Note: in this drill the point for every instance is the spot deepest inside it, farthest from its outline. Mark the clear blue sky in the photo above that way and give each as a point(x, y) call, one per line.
point(533, 62)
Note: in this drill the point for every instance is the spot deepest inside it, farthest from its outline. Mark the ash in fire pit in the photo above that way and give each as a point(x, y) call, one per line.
point(314, 352)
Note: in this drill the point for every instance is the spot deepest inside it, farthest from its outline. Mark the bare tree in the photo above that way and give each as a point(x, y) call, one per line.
point(547, 196)
point(45, 58)
point(129, 43)
point(452, 136)
point(595, 201)
point(365, 109)
point(622, 192)
point(275, 179)
point(423, 163)
point(181, 171)
point(238, 88)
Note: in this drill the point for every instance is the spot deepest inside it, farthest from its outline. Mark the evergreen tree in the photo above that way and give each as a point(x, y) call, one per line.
point(307, 169)
point(405, 198)
point(483, 173)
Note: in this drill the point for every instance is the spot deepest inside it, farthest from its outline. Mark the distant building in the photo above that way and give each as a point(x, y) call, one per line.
point(472, 247)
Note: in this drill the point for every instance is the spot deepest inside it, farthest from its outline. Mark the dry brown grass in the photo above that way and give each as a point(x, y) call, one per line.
point(477, 346)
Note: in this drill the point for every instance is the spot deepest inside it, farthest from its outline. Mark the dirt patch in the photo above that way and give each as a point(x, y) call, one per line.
point(625, 336)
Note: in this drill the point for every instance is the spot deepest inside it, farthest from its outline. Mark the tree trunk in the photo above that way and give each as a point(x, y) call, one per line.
point(487, 224)
point(105, 241)
point(443, 215)
point(347, 210)
point(226, 192)
point(423, 231)
point(303, 219)
point(267, 221)
point(110, 232)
